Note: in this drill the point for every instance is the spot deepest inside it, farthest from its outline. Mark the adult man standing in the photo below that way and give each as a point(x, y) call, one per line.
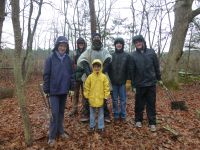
point(85, 62)
point(145, 73)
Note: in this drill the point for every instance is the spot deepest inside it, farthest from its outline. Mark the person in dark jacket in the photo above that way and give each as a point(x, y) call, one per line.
point(58, 77)
point(85, 61)
point(118, 73)
point(145, 72)
point(81, 46)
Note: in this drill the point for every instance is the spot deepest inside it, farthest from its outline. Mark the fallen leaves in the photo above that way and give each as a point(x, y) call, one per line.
point(116, 136)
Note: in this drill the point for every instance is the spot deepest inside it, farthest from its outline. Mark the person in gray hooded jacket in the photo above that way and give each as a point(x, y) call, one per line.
point(145, 72)
point(85, 61)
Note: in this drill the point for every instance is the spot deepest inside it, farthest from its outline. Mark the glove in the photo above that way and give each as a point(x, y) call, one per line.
point(47, 95)
point(71, 93)
point(134, 90)
point(160, 82)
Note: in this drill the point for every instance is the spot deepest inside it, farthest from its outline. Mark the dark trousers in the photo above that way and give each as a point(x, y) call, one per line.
point(56, 126)
point(145, 96)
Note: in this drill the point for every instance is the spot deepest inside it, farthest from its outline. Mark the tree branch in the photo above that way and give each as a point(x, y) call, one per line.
point(195, 13)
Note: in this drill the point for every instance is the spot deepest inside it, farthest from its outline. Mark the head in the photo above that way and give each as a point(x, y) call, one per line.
point(139, 42)
point(96, 41)
point(62, 45)
point(97, 65)
point(119, 44)
point(81, 45)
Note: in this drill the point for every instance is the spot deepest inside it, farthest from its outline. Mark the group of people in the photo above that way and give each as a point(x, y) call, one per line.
point(98, 74)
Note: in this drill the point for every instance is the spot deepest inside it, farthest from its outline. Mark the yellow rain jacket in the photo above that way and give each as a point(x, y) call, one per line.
point(96, 87)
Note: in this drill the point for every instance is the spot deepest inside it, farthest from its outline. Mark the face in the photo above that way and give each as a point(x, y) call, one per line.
point(81, 45)
point(96, 38)
point(138, 44)
point(97, 68)
point(62, 48)
point(118, 46)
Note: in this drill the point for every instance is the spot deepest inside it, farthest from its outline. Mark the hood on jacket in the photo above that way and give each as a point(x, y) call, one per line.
point(97, 61)
point(96, 43)
point(139, 38)
point(61, 39)
point(121, 41)
point(81, 41)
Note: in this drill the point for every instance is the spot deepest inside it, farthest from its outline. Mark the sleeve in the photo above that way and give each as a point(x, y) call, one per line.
point(106, 88)
point(157, 67)
point(87, 85)
point(106, 64)
point(132, 70)
point(46, 76)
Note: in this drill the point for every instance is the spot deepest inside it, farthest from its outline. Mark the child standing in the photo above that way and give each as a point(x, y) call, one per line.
point(96, 90)
point(57, 82)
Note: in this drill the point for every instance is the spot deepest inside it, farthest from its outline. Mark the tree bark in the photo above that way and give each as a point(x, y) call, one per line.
point(18, 71)
point(2, 18)
point(26, 65)
point(92, 16)
point(183, 16)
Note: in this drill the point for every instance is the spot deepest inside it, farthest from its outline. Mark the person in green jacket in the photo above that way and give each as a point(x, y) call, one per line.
point(81, 47)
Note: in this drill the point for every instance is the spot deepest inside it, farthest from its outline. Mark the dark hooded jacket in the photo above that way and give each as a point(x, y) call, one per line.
point(119, 67)
point(145, 69)
point(58, 73)
point(79, 71)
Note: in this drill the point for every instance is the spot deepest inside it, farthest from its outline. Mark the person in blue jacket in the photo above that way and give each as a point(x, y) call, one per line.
point(58, 77)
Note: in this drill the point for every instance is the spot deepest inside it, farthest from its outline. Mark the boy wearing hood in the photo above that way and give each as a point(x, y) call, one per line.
point(85, 61)
point(81, 47)
point(57, 76)
point(145, 73)
point(96, 90)
point(118, 73)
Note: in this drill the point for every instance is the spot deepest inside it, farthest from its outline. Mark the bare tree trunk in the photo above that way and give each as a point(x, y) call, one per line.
point(26, 65)
point(2, 17)
point(181, 23)
point(92, 16)
point(18, 71)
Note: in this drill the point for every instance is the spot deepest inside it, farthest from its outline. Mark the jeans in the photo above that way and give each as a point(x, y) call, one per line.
point(145, 96)
point(56, 127)
point(119, 91)
point(100, 117)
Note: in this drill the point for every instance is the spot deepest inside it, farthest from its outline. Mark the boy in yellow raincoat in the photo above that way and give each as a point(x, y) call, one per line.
point(96, 90)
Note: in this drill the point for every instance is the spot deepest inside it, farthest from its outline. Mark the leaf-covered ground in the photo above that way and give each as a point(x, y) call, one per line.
point(175, 129)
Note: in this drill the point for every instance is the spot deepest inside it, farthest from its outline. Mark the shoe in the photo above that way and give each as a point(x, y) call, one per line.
point(138, 124)
point(123, 120)
point(51, 142)
point(84, 118)
point(73, 113)
point(101, 130)
point(64, 136)
point(116, 120)
point(91, 130)
point(107, 119)
point(152, 128)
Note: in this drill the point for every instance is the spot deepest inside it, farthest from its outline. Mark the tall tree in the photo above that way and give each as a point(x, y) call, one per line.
point(2, 17)
point(183, 16)
point(92, 16)
point(26, 65)
point(18, 71)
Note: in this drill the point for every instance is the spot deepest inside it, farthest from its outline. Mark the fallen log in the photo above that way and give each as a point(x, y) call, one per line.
point(6, 93)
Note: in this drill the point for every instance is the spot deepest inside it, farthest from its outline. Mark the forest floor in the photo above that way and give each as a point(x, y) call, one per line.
point(176, 129)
